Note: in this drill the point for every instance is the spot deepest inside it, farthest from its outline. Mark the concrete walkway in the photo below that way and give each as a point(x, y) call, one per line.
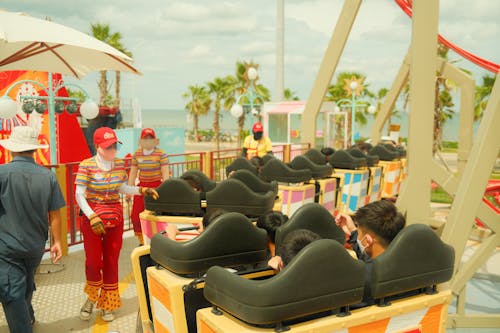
point(59, 296)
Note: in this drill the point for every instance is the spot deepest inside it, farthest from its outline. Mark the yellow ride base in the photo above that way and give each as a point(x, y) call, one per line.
point(417, 314)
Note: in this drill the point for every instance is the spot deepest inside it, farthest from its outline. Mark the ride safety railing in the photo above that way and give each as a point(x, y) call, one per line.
point(212, 163)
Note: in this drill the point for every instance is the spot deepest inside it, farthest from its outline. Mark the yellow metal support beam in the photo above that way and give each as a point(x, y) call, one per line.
point(415, 198)
point(327, 68)
point(61, 179)
point(390, 99)
point(475, 178)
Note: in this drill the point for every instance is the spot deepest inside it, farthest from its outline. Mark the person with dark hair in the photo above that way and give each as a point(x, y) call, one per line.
point(293, 243)
point(30, 202)
point(371, 230)
point(193, 180)
point(270, 222)
point(256, 144)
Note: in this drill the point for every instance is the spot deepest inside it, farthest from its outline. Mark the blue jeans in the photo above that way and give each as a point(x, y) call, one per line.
point(17, 283)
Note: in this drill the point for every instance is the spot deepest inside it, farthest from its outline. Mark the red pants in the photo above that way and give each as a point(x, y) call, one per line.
point(138, 207)
point(101, 264)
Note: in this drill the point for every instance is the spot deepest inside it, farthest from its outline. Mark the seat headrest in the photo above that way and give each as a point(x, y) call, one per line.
point(276, 170)
point(314, 217)
point(176, 196)
point(384, 153)
point(315, 156)
point(241, 163)
point(343, 160)
point(254, 182)
point(206, 183)
point(323, 276)
point(230, 240)
point(266, 158)
point(416, 258)
point(234, 196)
point(371, 160)
point(317, 170)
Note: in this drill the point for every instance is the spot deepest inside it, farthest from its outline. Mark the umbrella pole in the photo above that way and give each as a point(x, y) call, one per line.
point(52, 122)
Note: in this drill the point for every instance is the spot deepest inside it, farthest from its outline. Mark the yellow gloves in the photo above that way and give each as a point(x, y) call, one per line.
point(150, 192)
point(96, 224)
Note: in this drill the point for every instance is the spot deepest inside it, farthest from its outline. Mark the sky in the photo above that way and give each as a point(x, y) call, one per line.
point(180, 43)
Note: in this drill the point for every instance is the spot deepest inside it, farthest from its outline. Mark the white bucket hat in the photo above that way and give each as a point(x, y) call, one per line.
point(22, 138)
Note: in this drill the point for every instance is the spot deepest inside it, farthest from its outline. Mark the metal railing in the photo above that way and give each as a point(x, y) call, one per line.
point(212, 163)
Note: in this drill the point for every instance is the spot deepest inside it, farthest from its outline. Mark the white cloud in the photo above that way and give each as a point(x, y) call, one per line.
point(178, 43)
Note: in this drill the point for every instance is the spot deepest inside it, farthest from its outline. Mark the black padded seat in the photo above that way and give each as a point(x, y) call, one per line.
point(241, 163)
point(323, 276)
point(317, 170)
point(276, 170)
point(266, 158)
point(314, 217)
point(371, 160)
point(384, 153)
point(315, 156)
point(341, 159)
point(416, 258)
point(230, 240)
point(393, 148)
point(401, 150)
point(176, 196)
point(206, 183)
point(255, 183)
point(234, 196)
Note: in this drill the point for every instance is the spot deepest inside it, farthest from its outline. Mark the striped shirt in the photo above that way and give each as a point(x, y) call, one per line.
point(149, 166)
point(102, 186)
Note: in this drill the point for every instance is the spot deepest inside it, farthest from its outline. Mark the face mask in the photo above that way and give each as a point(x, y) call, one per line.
point(362, 248)
point(257, 136)
point(149, 144)
point(107, 154)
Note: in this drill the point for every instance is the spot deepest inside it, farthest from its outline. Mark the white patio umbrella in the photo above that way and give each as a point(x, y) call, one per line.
point(28, 43)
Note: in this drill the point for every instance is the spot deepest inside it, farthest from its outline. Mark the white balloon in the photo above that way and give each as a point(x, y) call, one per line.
point(89, 109)
point(252, 73)
point(236, 110)
point(254, 112)
point(372, 109)
point(8, 108)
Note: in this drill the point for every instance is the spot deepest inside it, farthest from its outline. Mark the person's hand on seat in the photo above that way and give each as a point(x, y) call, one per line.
point(150, 192)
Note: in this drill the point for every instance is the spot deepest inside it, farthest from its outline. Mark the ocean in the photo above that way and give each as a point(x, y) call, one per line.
point(179, 118)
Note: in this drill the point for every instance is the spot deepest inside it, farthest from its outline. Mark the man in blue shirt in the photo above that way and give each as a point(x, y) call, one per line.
point(30, 201)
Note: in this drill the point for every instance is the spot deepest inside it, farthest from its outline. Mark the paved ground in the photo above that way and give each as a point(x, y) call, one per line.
point(59, 297)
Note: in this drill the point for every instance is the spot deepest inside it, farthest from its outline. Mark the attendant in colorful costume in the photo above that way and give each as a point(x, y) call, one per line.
point(150, 164)
point(99, 182)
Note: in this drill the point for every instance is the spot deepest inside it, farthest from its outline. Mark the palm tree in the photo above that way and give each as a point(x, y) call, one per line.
point(443, 105)
point(290, 95)
point(102, 32)
point(337, 92)
point(198, 104)
point(237, 86)
point(219, 88)
point(483, 92)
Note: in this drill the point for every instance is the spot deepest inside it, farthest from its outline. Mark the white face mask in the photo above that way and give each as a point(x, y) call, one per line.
point(107, 154)
point(362, 248)
point(149, 144)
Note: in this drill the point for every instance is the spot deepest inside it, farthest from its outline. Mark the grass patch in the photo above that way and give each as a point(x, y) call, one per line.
point(440, 196)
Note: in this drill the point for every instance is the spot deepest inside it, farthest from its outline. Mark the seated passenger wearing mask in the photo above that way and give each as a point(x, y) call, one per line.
point(371, 230)
point(256, 144)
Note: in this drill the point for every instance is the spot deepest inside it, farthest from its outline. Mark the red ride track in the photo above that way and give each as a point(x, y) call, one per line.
point(406, 6)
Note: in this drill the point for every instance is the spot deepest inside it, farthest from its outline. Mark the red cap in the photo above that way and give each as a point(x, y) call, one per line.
point(148, 131)
point(257, 127)
point(105, 137)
